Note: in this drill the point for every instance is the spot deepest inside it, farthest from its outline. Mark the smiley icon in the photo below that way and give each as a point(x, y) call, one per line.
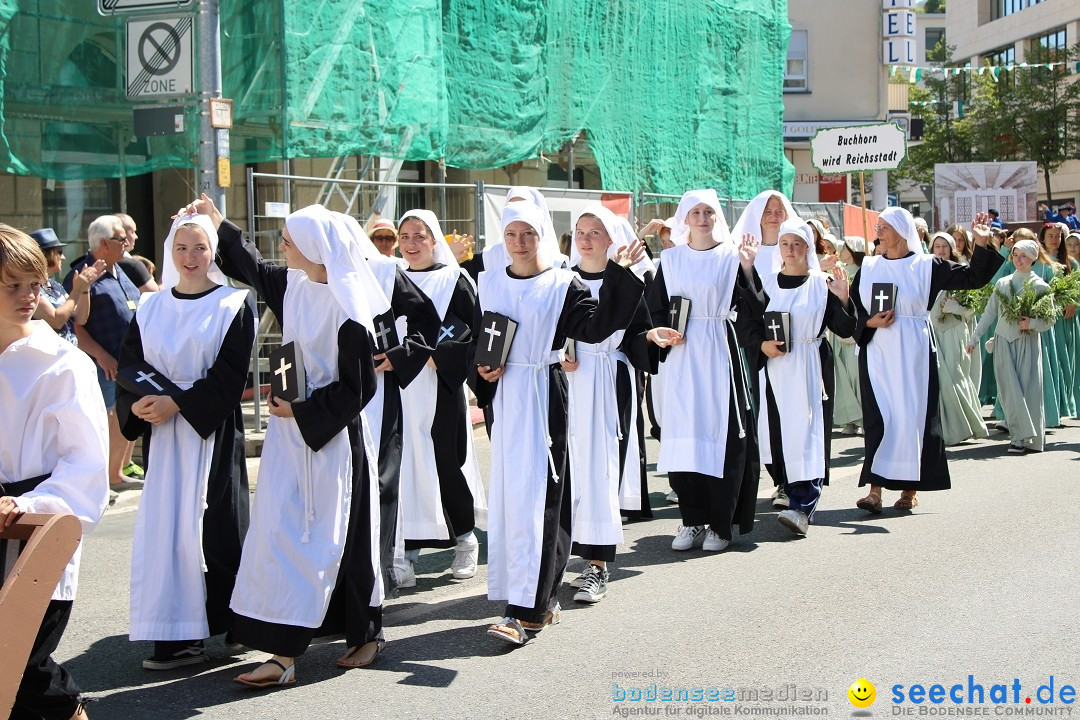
point(862, 693)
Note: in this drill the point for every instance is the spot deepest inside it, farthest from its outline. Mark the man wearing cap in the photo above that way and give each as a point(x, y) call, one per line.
point(1066, 214)
point(63, 311)
point(384, 235)
point(113, 300)
point(995, 219)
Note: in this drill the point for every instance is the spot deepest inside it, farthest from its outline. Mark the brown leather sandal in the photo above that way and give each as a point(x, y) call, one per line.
point(871, 503)
point(907, 501)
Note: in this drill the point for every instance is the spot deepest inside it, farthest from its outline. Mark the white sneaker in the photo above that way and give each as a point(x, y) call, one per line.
point(713, 542)
point(672, 498)
point(466, 555)
point(780, 498)
point(795, 521)
point(687, 537)
point(850, 429)
point(405, 575)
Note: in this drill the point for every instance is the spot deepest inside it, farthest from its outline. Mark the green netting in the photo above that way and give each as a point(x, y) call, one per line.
point(669, 94)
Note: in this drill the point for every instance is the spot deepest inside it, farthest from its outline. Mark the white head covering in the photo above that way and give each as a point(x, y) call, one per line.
point(549, 240)
point(691, 199)
point(855, 243)
point(944, 236)
point(903, 223)
point(324, 239)
point(169, 274)
point(443, 254)
point(920, 223)
point(1028, 247)
point(618, 229)
point(817, 225)
point(750, 220)
point(795, 226)
point(527, 213)
point(367, 248)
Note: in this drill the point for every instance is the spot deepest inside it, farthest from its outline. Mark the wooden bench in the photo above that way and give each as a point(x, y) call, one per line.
point(51, 541)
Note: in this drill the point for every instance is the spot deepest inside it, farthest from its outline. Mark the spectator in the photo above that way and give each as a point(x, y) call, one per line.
point(1066, 214)
point(924, 233)
point(995, 220)
point(113, 301)
point(384, 235)
point(63, 311)
point(132, 266)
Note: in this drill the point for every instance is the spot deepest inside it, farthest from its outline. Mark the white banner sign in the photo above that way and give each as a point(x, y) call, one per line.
point(863, 148)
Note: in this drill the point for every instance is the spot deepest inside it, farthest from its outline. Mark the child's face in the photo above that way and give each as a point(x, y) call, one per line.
point(18, 298)
point(1021, 261)
point(591, 238)
point(1072, 244)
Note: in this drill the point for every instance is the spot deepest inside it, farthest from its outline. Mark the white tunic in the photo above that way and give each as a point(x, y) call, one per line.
point(795, 379)
point(421, 500)
point(300, 515)
point(181, 339)
point(597, 488)
point(519, 431)
point(699, 375)
point(54, 423)
point(897, 359)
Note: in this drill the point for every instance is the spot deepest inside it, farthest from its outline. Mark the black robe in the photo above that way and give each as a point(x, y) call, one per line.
point(408, 359)
point(731, 500)
point(587, 319)
point(934, 471)
point(453, 360)
point(838, 319)
point(326, 412)
point(212, 407)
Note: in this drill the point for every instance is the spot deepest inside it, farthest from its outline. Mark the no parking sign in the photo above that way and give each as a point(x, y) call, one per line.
point(159, 57)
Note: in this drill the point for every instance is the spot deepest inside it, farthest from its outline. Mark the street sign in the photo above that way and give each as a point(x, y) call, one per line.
point(862, 148)
point(109, 8)
point(221, 113)
point(224, 172)
point(159, 57)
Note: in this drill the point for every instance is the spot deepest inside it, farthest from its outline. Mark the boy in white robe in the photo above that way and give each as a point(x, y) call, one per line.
point(53, 454)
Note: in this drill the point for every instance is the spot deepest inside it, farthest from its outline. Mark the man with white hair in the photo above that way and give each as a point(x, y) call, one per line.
point(112, 305)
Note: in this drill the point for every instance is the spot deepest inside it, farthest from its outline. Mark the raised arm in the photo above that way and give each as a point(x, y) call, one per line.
point(239, 259)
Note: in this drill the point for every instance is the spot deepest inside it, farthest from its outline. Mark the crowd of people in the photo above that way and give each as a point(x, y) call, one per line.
point(744, 347)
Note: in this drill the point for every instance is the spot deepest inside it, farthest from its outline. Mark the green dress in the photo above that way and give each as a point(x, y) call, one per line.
point(1018, 366)
point(958, 397)
point(1052, 377)
point(1067, 336)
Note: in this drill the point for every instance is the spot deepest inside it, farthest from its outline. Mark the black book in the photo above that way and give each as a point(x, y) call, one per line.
point(679, 314)
point(386, 336)
point(287, 377)
point(882, 298)
point(570, 351)
point(496, 334)
point(452, 329)
point(143, 379)
point(778, 326)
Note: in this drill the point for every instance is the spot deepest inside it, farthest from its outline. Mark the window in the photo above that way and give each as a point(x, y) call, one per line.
point(1004, 56)
point(1053, 41)
point(933, 38)
point(796, 71)
point(1001, 8)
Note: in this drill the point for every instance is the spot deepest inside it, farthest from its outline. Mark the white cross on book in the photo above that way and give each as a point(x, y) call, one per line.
point(446, 332)
point(492, 333)
point(881, 297)
point(284, 368)
point(775, 327)
point(384, 331)
point(143, 377)
point(673, 313)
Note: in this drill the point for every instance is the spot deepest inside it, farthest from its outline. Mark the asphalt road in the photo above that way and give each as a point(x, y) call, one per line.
point(980, 581)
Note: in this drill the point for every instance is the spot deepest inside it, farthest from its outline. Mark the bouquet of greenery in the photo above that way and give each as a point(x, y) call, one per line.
point(1066, 289)
point(975, 299)
point(1026, 304)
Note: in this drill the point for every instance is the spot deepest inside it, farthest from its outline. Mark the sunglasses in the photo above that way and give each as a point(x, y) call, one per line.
point(387, 238)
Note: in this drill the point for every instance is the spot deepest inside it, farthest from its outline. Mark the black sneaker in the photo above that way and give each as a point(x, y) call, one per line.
point(170, 654)
point(594, 586)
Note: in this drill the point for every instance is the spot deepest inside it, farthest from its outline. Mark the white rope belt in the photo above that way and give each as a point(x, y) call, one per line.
point(536, 369)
